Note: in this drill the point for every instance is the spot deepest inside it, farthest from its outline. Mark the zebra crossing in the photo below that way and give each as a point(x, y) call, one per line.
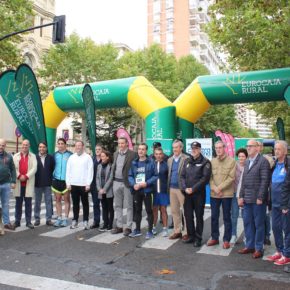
point(158, 242)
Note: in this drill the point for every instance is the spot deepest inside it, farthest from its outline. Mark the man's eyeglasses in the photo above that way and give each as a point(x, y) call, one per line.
point(249, 146)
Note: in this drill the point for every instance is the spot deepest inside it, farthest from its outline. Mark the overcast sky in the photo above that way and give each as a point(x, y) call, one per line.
point(117, 21)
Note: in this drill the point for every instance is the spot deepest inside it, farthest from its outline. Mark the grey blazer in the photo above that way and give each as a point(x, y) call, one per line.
point(256, 180)
point(108, 180)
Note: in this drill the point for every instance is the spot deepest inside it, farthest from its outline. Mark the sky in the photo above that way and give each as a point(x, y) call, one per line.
point(117, 21)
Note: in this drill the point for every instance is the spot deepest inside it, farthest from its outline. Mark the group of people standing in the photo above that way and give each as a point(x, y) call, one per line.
point(130, 179)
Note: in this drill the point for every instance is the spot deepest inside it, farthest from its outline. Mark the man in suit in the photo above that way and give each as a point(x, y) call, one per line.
point(123, 158)
point(175, 164)
point(253, 195)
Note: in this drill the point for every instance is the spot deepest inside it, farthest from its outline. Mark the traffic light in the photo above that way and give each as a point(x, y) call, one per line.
point(58, 33)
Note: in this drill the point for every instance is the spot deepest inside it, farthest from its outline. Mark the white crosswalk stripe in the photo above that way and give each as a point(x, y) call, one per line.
point(162, 243)
point(41, 283)
point(218, 249)
point(158, 242)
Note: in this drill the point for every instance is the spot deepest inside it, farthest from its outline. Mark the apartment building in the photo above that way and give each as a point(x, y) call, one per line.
point(177, 25)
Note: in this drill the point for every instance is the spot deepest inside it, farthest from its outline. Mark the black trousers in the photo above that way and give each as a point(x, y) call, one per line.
point(107, 210)
point(194, 206)
point(19, 203)
point(79, 193)
point(138, 199)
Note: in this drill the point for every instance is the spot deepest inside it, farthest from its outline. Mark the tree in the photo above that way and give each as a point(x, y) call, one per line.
point(255, 35)
point(15, 15)
point(188, 68)
point(79, 61)
point(157, 66)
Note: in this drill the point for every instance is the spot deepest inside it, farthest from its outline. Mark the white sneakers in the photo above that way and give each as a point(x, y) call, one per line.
point(74, 224)
point(86, 225)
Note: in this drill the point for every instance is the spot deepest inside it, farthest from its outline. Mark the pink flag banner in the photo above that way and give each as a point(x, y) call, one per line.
point(228, 140)
point(124, 133)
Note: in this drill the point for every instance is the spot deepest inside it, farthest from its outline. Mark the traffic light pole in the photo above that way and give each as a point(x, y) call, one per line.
point(25, 30)
point(58, 33)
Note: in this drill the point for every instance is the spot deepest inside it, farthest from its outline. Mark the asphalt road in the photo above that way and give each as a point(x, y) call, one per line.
point(50, 258)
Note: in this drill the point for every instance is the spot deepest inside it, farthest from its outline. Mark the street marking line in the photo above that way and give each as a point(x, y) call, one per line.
point(218, 249)
point(163, 243)
point(109, 238)
point(41, 283)
point(63, 231)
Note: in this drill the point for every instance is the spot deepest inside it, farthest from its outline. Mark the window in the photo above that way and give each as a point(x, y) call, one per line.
point(169, 25)
point(156, 6)
point(169, 3)
point(156, 37)
point(169, 37)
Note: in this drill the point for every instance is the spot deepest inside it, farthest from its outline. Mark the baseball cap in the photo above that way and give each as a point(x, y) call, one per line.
point(195, 144)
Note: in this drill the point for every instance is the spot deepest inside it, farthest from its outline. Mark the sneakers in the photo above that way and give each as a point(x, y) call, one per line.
point(149, 235)
point(154, 231)
point(135, 234)
point(74, 224)
point(274, 257)
point(64, 223)
point(233, 239)
point(86, 225)
point(57, 223)
point(282, 261)
point(165, 232)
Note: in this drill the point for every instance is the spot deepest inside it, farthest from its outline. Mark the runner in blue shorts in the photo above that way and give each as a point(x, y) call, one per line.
point(161, 196)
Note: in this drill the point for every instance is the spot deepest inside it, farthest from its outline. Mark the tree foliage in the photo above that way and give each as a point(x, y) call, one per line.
point(16, 15)
point(255, 35)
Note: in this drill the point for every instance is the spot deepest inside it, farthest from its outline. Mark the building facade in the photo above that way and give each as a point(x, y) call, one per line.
point(177, 25)
point(34, 45)
point(251, 120)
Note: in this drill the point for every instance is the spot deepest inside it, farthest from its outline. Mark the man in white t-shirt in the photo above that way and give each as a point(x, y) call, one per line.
point(79, 176)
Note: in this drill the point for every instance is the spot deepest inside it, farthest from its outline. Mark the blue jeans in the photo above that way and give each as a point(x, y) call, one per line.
point(235, 215)
point(46, 190)
point(96, 203)
point(277, 228)
point(268, 225)
point(215, 204)
point(286, 229)
point(5, 195)
point(254, 222)
point(18, 206)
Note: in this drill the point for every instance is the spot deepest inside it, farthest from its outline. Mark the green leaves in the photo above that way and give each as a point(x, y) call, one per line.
point(15, 15)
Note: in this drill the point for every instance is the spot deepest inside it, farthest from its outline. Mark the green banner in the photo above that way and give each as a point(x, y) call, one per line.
point(89, 105)
point(280, 129)
point(158, 128)
point(20, 92)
